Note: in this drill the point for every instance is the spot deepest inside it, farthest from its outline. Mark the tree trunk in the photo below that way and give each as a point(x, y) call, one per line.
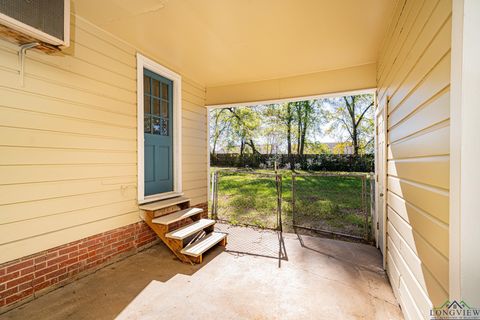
point(304, 133)
point(289, 141)
point(242, 147)
point(355, 141)
point(354, 135)
point(252, 145)
point(289, 131)
point(299, 107)
point(214, 146)
point(289, 146)
point(299, 133)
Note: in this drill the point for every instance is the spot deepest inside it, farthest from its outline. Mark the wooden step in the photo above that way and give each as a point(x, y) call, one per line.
point(157, 205)
point(177, 216)
point(198, 248)
point(191, 229)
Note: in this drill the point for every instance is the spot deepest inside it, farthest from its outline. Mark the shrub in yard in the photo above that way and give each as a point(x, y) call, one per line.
point(312, 162)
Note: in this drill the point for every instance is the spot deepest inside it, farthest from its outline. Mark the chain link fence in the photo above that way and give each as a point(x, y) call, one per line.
point(247, 198)
point(336, 204)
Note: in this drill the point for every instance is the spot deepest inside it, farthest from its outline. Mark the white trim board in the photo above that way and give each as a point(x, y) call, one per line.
point(381, 201)
point(146, 63)
point(209, 189)
point(294, 99)
point(464, 237)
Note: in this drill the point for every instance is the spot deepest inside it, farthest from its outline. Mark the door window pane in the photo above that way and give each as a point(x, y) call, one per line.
point(155, 88)
point(157, 103)
point(146, 104)
point(147, 128)
point(146, 84)
point(164, 127)
point(156, 107)
point(156, 125)
point(164, 109)
point(164, 91)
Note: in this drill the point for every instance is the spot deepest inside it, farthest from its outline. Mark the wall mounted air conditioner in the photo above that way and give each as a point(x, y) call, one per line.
point(47, 21)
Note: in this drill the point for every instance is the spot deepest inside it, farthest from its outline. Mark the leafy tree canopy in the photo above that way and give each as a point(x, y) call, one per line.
point(301, 127)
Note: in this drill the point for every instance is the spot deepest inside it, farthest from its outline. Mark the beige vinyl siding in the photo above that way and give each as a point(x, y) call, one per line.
point(194, 142)
point(68, 167)
point(414, 77)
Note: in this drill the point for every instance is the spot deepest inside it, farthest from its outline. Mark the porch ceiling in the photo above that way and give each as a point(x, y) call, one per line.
point(219, 42)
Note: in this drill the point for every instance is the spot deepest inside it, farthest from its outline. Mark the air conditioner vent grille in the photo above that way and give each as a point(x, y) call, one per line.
point(44, 15)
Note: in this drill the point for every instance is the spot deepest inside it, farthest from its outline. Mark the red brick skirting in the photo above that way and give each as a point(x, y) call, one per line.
point(29, 277)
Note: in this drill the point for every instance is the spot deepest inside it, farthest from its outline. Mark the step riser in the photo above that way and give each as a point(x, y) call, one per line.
point(166, 211)
point(182, 223)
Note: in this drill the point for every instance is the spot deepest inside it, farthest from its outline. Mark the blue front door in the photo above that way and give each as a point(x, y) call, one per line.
point(158, 133)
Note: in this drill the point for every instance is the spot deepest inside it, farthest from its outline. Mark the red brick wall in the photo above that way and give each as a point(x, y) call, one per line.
point(26, 278)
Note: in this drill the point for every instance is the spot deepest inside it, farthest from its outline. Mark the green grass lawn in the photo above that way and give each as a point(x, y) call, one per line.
point(331, 203)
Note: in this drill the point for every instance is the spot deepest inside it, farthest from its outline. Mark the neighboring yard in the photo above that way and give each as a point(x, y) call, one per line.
point(332, 203)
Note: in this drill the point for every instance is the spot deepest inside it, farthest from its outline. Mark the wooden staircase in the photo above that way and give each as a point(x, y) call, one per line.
point(186, 231)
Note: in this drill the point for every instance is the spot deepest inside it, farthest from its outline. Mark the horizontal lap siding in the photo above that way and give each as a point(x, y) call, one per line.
point(414, 75)
point(68, 145)
point(194, 141)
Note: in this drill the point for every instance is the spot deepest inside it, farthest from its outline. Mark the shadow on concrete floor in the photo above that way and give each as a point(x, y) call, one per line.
point(103, 294)
point(254, 241)
point(321, 278)
point(345, 255)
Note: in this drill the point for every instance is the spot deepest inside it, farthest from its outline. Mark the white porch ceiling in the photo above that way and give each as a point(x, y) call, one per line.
point(220, 42)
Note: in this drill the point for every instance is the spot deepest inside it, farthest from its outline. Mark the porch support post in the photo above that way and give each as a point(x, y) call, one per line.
point(465, 153)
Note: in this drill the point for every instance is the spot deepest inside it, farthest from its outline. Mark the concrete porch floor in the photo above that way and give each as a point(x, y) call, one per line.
point(312, 278)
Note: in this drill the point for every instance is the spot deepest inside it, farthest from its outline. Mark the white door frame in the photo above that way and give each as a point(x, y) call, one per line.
point(381, 206)
point(375, 141)
point(146, 63)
